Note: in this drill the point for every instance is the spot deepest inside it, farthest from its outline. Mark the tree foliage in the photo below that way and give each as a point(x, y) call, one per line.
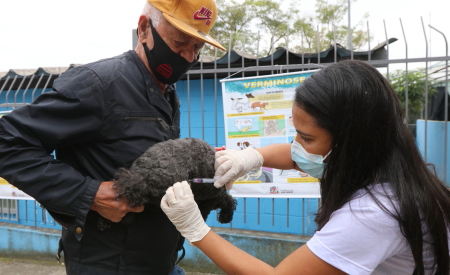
point(259, 26)
point(416, 91)
point(233, 22)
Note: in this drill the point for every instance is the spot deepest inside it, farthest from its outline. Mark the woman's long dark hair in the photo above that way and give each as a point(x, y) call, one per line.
point(372, 144)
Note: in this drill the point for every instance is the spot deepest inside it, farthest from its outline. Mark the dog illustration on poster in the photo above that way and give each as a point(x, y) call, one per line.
point(260, 105)
point(241, 102)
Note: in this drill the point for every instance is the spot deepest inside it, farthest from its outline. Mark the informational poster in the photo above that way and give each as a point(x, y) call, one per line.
point(9, 192)
point(257, 113)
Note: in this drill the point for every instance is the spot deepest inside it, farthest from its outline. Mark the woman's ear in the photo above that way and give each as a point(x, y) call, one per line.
point(143, 29)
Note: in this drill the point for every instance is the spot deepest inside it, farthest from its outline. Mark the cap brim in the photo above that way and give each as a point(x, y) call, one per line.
point(180, 25)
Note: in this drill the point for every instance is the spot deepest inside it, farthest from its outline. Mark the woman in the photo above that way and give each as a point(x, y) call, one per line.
point(383, 210)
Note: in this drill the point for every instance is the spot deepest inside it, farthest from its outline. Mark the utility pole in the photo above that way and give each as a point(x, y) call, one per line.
point(349, 31)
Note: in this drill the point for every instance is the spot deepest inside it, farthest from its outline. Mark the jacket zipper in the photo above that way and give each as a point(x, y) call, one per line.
point(139, 118)
point(172, 129)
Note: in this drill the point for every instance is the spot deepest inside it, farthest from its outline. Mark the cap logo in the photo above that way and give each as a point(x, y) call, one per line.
point(204, 14)
point(165, 70)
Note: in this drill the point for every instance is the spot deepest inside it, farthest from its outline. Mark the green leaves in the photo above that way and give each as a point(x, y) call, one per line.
point(279, 21)
point(416, 91)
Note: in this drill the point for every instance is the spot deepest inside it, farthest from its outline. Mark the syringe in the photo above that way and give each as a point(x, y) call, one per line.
point(202, 180)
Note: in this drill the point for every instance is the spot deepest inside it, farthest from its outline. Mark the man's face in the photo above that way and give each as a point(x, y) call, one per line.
point(180, 43)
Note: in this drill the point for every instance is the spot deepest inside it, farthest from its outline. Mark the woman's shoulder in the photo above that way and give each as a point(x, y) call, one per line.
point(378, 196)
point(373, 209)
point(362, 234)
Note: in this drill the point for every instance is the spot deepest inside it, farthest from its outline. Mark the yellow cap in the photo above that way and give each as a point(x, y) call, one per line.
point(193, 17)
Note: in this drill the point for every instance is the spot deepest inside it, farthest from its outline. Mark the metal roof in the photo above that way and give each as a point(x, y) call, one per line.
point(280, 56)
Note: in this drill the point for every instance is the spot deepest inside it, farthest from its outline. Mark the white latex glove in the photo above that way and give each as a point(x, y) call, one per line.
point(233, 164)
point(179, 205)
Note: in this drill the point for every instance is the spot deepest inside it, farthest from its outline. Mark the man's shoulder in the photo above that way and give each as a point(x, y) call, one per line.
point(85, 80)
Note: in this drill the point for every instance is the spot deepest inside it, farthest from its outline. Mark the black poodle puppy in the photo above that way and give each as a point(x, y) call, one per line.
point(165, 163)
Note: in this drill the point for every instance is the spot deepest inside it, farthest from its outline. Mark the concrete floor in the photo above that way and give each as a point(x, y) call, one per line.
point(29, 267)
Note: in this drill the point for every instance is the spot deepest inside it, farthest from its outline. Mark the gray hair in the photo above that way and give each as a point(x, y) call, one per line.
point(152, 13)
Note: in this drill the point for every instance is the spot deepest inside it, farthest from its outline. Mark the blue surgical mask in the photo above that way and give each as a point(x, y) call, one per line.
point(308, 163)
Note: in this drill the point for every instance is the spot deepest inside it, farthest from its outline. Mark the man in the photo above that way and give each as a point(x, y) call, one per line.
point(99, 117)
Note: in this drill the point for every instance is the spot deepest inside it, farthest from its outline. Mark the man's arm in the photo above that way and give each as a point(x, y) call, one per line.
point(30, 133)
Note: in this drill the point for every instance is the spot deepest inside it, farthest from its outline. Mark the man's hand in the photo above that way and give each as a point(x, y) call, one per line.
point(106, 204)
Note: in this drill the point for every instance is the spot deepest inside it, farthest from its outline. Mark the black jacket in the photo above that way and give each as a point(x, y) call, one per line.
point(99, 117)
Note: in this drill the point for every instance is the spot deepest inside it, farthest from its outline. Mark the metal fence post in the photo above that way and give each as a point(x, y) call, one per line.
point(406, 77)
point(426, 92)
point(445, 103)
point(387, 47)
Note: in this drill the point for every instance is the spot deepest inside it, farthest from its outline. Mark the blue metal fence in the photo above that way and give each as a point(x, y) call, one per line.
point(292, 216)
point(26, 212)
point(201, 117)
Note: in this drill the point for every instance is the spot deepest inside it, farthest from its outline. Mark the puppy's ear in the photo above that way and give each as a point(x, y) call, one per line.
point(227, 208)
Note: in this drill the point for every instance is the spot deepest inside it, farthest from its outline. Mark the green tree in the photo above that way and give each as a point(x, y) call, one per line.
point(273, 21)
point(416, 91)
point(328, 24)
point(280, 20)
point(233, 22)
point(305, 34)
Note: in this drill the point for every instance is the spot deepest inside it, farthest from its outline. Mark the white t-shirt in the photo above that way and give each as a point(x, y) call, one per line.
point(360, 238)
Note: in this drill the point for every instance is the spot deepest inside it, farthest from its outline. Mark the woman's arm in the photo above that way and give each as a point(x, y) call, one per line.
point(277, 156)
point(233, 260)
point(181, 208)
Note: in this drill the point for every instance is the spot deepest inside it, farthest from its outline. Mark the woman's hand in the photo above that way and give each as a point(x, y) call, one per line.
point(180, 207)
point(232, 164)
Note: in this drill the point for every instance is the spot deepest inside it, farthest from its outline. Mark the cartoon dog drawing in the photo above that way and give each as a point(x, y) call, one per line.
point(241, 103)
point(244, 145)
point(260, 105)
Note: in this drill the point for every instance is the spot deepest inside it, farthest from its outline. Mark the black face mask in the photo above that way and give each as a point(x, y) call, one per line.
point(167, 66)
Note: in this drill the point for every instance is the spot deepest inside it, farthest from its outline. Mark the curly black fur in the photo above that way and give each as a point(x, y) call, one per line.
point(165, 163)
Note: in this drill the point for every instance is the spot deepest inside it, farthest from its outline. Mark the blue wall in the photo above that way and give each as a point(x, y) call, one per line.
point(27, 242)
point(31, 214)
point(273, 216)
point(435, 146)
point(212, 115)
point(292, 216)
